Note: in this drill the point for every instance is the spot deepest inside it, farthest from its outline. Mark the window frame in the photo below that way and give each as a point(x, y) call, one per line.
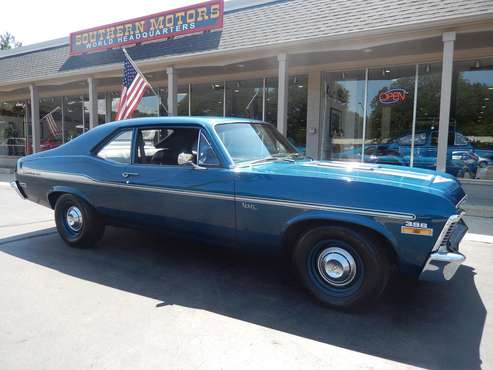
point(200, 130)
point(102, 144)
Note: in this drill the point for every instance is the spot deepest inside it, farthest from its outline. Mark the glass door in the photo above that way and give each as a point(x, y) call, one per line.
point(343, 122)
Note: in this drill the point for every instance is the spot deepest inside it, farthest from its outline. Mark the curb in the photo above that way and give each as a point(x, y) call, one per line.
point(478, 211)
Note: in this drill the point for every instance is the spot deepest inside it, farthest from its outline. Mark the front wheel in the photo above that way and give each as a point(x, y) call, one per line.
point(77, 222)
point(340, 267)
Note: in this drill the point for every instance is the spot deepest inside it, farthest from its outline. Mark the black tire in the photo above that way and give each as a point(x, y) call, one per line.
point(83, 234)
point(354, 289)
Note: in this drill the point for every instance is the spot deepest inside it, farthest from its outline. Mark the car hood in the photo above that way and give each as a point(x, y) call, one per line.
point(397, 176)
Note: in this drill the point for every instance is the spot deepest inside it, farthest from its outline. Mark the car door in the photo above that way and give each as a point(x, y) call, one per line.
point(109, 167)
point(193, 196)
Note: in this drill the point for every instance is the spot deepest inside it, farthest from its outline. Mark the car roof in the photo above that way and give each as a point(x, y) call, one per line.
point(181, 120)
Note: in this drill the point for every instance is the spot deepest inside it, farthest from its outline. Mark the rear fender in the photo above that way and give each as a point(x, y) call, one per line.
point(65, 190)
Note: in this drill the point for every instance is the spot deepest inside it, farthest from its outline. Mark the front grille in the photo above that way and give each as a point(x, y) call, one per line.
point(445, 242)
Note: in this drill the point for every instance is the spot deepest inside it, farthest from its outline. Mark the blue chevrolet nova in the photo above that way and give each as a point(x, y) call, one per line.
point(345, 227)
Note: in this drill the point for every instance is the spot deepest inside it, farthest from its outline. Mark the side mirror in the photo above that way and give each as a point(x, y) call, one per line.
point(186, 159)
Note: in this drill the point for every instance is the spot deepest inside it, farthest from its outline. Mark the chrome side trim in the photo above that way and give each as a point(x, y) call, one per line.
point(461, 202)
point(84, 179)
point(451, 220)
point(322, 207)
point(15, 186)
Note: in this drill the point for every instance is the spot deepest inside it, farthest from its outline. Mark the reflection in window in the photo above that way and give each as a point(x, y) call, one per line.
point(75, 122)
point(50, 113)
point(183, 100)
point(472, 118)
point(13, 128)
point(342, 131)
point(101, 109)
point(206, 155)
point(118, 149)
point(390, 111)
point(207, 99)
point(297, 101)
point(148, 106)
point(427, 116)
point(244, 99)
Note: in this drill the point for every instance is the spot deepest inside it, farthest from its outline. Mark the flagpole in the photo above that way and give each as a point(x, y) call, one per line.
point(51, 112)
point(142, 75)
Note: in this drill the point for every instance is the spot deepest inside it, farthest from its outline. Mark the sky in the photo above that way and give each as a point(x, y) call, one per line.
point(33, 21)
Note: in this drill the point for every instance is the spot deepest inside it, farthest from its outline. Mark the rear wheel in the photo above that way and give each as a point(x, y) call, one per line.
point(340, 267)
point(77, 222)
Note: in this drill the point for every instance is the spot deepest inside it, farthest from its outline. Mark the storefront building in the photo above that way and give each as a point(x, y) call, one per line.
point(407, 83)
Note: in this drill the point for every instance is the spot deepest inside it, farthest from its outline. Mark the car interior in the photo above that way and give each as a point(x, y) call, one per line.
point(163, 146)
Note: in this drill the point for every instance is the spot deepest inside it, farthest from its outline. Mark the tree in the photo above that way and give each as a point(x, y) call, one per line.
point(7, 41)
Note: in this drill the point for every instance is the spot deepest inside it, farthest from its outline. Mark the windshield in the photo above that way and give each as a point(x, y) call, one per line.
point(246, 142)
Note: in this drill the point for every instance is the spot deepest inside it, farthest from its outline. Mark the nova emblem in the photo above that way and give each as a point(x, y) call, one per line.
point(249, 206)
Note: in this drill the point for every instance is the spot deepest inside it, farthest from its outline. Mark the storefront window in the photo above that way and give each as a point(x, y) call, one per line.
point(13, 126)
point(75, 121)
point(427, 118)
point(148, 106)
point(271, 87)
point(244, 99)
point(342, 130)
point(389, 114)
point(50, 113)
point(101, 109)
point(207, 99)
point(297, 101)
point(183, 100)
point(470, 142)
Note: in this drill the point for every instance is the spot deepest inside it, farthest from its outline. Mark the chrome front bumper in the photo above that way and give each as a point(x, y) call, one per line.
point(442, 267)
point(18, 189)
point(445, 258)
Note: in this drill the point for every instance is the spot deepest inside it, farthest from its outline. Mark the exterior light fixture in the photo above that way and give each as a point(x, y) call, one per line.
point(477, 64)
point(427, 68)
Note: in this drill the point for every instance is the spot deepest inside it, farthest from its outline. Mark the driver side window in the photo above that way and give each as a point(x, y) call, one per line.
point(163, 145)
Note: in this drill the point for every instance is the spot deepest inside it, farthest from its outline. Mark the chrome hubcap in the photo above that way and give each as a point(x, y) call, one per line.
point(336, 266)
point(74, 218)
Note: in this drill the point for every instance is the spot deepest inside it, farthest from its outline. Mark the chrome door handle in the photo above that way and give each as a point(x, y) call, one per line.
point(128, 174)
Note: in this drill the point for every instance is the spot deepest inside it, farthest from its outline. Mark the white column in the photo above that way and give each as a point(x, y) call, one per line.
point(282, 94)
point(172, 92)
point(93, 103)
point(313, 114)
point(109, 107)
point(445, 97)
point(36, 127)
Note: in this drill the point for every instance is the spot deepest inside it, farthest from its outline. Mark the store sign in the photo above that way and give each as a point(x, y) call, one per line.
point(393, 96)
point(196, 18)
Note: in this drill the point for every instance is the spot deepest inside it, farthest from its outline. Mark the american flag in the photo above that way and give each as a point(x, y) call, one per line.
point(55, 131)
point(134, 87)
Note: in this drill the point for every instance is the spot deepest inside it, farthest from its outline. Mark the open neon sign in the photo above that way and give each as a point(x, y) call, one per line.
point(393, 96)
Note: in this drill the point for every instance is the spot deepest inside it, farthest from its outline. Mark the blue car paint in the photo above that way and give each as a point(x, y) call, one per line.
point(257, 225)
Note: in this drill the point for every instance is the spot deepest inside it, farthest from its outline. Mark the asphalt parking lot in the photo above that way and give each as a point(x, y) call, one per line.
point(143, 301)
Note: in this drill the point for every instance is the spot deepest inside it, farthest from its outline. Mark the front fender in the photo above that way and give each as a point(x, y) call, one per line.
point(365, 221)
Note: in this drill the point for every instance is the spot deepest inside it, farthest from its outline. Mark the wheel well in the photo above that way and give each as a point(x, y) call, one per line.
point(295, 231)
point(53, 197)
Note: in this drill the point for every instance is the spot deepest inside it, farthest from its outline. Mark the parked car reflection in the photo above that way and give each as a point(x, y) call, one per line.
point(463, 160)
